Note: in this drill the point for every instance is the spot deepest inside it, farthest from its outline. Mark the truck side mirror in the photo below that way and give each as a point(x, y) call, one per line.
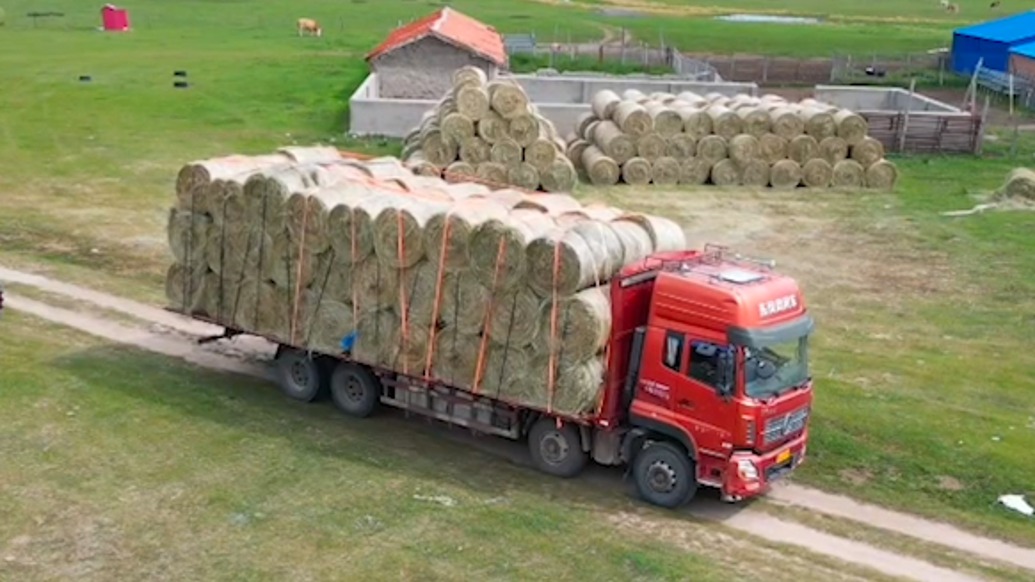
point(726, 368)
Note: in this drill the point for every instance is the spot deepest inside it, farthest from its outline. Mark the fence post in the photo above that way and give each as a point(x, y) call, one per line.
point(765, 69)
point(733, 67)
point(979, 142)
point(905, 119)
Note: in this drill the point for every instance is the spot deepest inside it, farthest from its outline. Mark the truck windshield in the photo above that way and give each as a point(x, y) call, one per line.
point(774, 368)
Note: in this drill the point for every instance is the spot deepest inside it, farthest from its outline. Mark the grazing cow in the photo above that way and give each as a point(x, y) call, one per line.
point(994, 5)
point(953, 8)
point(310, 26)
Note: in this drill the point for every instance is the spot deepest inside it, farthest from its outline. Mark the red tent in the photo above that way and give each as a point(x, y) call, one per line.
point(115, 19)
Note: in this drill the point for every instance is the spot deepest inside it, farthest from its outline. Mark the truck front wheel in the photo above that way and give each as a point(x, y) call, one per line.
point(556, 451)
point(299, 376)
point(355, 390)
point(664, 475)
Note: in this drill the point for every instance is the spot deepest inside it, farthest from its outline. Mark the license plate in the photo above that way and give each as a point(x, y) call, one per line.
point(783, 457)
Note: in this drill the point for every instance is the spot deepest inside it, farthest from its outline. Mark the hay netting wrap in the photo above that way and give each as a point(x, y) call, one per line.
point(725, 122)
point(664, 234)
point(881, 175)
point(833, 149)
point(786, 123)
point(772, 148)
point(712, 148)
point(475, 150)
point(743, 148)
point(667, 122)
point(492, 173)
point(601, 170)
point(514, 317)
point(633, 119)
point(755, 121)
point(457, 127)
point(785, 175)
point(524, 129)
point(817, 173)
point(507, 98)
point(473, 102)
point(725, 173)
point(1020, 184)
point(755, 173)
point(819, 122)
point(694, 171)
point(867, 151)
point(637, 171)
point(848, 174)
point(506, 151)
point(497, 248)
point(193, 177)
point(617, 145)
point(802, 149)
point(851, 126)
point(493, 128)
point(523, 175)
point(665, 171)
point(568, 260)
point(576, 327)
point(696, 122)
point(651, 146)
point(188, 235)
point(604, 104)
point(399, 231)
point(680, 146)
point(448, 231)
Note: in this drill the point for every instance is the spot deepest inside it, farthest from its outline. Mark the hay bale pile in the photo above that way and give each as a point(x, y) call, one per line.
point(1020, 185)
point(489, 131)
point(503, 292)
point(668, 139)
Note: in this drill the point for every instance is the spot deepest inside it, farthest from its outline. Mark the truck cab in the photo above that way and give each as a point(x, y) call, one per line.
point(719, 390)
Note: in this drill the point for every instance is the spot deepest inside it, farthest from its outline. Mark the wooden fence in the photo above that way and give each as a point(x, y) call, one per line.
point(926, 132)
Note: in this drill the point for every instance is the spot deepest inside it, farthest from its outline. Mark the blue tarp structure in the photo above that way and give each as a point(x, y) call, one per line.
point(1025, 50)
point(990, 42)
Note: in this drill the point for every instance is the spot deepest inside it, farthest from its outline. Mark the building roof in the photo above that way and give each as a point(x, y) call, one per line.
point(1024, 50)
point(451, 27)
point(1009, 30)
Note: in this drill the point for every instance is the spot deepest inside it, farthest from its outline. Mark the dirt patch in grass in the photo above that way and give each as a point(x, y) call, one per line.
point(856, 477)
point(950, 483)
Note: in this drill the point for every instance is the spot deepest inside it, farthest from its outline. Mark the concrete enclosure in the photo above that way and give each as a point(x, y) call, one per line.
point(423, 69)
point(561, 98)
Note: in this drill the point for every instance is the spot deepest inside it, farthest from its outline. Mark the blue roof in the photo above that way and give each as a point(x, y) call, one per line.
point(1025, 50)
point(1010, 29)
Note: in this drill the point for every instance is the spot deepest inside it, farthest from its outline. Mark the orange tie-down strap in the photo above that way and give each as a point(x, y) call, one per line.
point(439, 278)
point(489, 311)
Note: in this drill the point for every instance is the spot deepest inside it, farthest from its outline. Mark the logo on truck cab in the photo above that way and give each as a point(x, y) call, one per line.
point(778, 305)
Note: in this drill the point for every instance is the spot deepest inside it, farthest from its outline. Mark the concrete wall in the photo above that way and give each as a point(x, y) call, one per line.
point(560, 98)
point(423, 70)
point(879, 99)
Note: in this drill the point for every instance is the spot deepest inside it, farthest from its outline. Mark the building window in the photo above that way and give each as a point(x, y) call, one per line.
point(672, 351)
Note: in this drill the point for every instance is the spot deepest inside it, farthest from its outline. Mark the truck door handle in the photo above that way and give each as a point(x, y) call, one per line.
point(686, 403)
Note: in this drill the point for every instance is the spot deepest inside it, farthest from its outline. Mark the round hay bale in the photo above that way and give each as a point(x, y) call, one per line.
point(1020, 184)
point(247, 304)
point(492, 173)
point(755, 120)
point(867, 151)
point(457, 127)
point(524, 129)
point(576, 327)
point(665, 235)
point(665, 171)
point(438, 149)
point(744, 148)
point(422, 167)
point(694, 171)
point(637, 171)
point(696, 122)
point(193, 177)
point(610, 139)
point(506, 151)
point(578, 388)
point(604, 104)
point(514, 318)
point(712, 148)
point(587, 253)
point(849, 175)
point(651, 146)
point(819, 123)
point(541, 154)
point(583, 123)
point(662, 96)
point(560, 176)
point(377, 341)
point(551, 204)
point(182, 284)
point(817, 173)
point(680, 146)
point(351, 226)
point(667, 122)
point(633, 119)
point(493, 128)
point(636, 241)
point(508, 99)
point(833, 150)
point(634, 95)
point(881, 175)
point(802, 149)
point(755, 173)
point(290, 266)
point(464, 302)
point(273, 316)
point(504, 368)
point(475, 150)
point(419, 287)
point(574, 153)
point(456, 357)
point(497, 248)
point(851, 126)
point(399, 232)
point(447, 234)
point(460, 172)
point(188, 235)
point(325, 323)
point(693, 99)
point(725, 173)
point(468, 76)
point(785, 175)
point(600, 169)
point(473, 102)
point(772, 148)
point(375, 286)
point(523, 175)
point(725, 122)
point(786, 122)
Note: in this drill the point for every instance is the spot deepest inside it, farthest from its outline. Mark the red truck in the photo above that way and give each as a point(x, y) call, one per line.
point(707, 383)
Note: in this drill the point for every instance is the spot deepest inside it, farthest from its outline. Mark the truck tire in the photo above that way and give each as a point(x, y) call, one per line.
point(355, 390)
point(664, 474)
point(299, 376)
point(556, 451)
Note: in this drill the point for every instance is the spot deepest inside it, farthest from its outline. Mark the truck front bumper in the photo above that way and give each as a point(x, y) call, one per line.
point(749, 474)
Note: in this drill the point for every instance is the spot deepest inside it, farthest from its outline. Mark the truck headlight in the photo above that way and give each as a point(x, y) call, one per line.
point(747, 470)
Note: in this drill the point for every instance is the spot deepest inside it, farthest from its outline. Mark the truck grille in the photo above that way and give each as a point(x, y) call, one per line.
point(781, 427)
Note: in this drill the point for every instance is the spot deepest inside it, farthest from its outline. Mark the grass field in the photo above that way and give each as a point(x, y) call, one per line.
point(925, 391)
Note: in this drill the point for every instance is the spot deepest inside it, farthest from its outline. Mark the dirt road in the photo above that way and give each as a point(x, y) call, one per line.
point(171, 335)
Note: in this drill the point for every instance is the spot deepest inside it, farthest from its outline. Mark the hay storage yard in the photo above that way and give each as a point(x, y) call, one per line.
point(134, 465)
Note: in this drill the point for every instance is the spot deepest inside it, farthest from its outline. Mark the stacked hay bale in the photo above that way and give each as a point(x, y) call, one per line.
point(743, 140)
point(1019, 185)
point(489, 131)
point(500, 292)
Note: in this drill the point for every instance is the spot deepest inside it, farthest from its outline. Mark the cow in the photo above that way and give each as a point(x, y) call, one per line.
point(994, 5)
point(310, 26)
point(953, 8)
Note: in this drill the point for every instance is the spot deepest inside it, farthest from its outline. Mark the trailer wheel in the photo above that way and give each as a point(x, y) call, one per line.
point(299, 376)
point(664, 475)
point(556, 451)
point(355, 390)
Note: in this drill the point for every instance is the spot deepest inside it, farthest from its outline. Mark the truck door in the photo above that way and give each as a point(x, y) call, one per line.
point(699, 401)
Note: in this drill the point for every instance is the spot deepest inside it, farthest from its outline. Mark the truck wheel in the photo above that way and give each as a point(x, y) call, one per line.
point(355, 390)
point(556, 451)
point(300, 377)
point(664, 475)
